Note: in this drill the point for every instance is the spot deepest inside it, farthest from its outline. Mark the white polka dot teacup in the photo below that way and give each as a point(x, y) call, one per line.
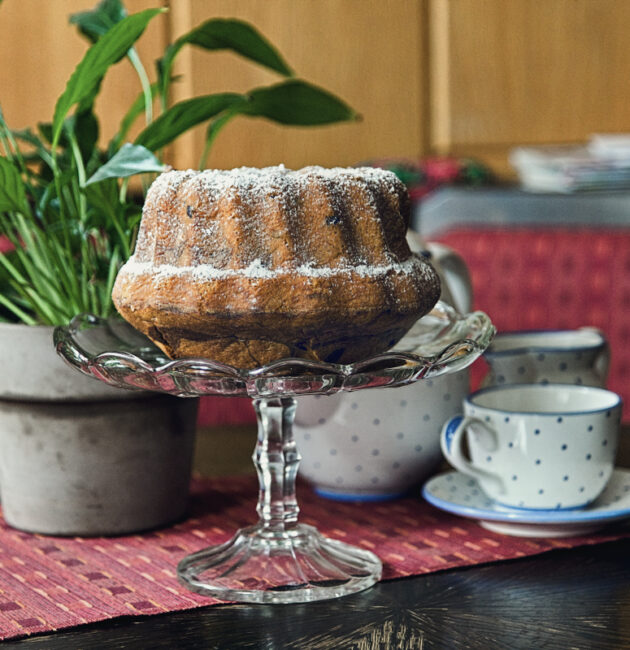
point(375, 444)
point(533, 446)
point(579, 356)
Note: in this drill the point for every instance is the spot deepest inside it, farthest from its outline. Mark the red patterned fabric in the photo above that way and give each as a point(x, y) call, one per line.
point(50, 583)
point(215, 411)
point(554, 278)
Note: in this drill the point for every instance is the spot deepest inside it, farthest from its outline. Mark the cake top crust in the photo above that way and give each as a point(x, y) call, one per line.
point(253, 182)
point(261, 222)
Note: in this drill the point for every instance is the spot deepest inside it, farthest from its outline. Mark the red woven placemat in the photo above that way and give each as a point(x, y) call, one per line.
point(49, 583)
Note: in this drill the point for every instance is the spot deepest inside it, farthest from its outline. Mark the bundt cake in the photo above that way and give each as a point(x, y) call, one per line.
point(252, 265)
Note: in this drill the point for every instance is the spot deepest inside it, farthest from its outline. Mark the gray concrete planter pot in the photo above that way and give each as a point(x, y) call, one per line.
point(78, 457)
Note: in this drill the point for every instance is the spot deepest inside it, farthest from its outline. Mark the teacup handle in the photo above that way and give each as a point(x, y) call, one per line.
point(601, 365)
point(456, 275)
point(451, 440)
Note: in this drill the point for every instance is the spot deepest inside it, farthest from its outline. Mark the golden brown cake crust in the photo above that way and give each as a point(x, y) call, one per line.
point(249, 266)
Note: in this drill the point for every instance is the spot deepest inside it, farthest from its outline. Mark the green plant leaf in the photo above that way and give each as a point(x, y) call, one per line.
point(109, 49)
point(184, 115)
point(27, 135)
point(131, 159)
point(95, 23)
point(103, 198)
point(45, 131)
point(226, 34)
point(212, 132)
point(12, 195)
point(134, 111)
point(87, 130)
point(298, 103)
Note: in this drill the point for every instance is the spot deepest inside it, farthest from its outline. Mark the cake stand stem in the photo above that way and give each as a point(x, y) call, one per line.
point(276, 458)
point(278, 560)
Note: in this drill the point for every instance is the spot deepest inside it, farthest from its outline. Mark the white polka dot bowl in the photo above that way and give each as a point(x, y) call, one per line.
point(579, 356)
point(379, 444)
point(536, 447)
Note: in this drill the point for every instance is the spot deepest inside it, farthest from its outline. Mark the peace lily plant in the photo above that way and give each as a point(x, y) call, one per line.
point(65, 204)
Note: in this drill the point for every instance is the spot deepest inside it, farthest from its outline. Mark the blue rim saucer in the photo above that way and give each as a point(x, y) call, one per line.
point(461, 495)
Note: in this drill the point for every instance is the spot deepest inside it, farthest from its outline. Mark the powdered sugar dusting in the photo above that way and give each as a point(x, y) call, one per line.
point(256, 222)
point(252, 182)
point(257, 179)
point(256, 270)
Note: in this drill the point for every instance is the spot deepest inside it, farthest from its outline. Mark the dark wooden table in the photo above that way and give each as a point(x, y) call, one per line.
point(565, 599)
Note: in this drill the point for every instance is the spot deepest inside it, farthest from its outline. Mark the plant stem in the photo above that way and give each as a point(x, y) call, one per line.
point(76, 153)
point(57, 181)
point(13, 308)
point(124, 238)
point(24, 288)
point(144, 82)
point(123, 190)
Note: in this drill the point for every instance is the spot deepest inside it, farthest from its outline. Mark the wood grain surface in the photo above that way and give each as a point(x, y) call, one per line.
point(576, 599)
point(505, 73)
point(366, 51)
point(39, 50)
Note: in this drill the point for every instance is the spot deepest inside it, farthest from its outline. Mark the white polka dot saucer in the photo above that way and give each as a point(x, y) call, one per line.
point(461, 495)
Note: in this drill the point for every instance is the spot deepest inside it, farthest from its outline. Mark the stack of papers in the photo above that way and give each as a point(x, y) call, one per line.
point(601, 164)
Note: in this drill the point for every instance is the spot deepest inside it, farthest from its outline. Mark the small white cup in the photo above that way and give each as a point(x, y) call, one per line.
point(536, 447)
point(579, 356)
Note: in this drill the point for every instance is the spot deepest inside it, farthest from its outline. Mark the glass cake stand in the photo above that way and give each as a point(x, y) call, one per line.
point(277, 560)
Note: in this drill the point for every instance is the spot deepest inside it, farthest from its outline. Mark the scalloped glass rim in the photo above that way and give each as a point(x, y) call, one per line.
point(111, 350)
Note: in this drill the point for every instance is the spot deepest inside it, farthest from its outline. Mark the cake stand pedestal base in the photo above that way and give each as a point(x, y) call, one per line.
point(278, 560)
point(292, 566)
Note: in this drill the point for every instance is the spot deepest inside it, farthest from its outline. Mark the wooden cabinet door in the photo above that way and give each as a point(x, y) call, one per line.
point(508, 72)
point(39, 49)
point(366, 51)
